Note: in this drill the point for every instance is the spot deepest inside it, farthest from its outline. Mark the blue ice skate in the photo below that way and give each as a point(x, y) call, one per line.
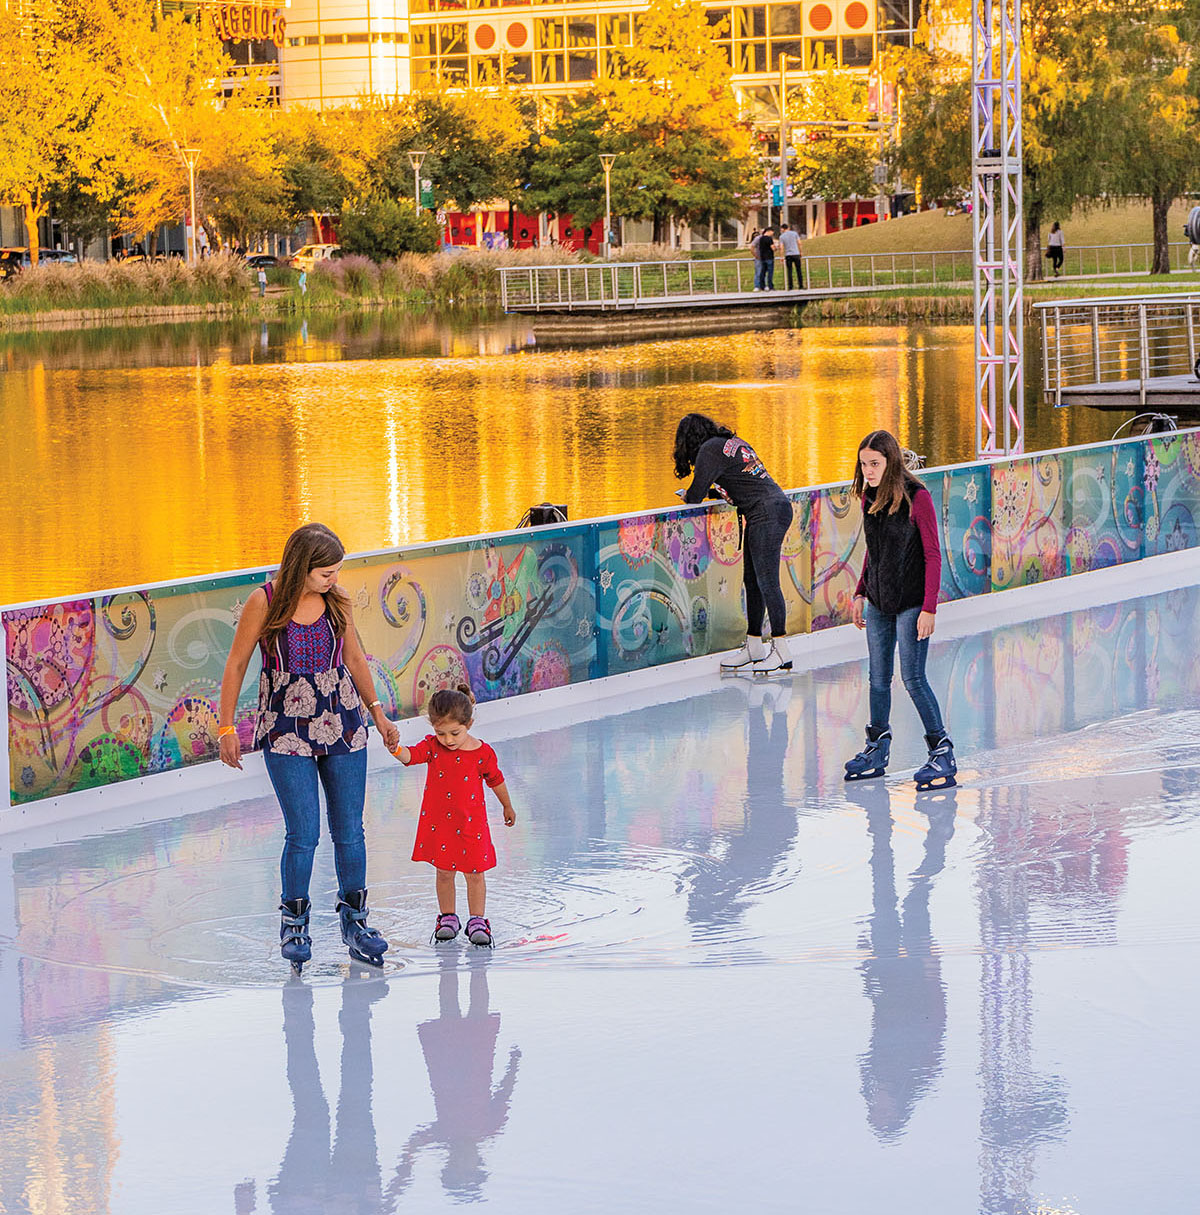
point(873, 758)
point(295, 945)
point(941, 768)
point(365, 944)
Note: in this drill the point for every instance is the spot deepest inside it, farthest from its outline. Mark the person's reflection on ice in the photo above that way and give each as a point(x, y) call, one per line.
point(721, 892)
point(313, 1179)
point(902, 971)
point(460, 1056)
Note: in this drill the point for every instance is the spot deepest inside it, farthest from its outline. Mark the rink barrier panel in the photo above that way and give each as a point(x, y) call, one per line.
point(116, 685)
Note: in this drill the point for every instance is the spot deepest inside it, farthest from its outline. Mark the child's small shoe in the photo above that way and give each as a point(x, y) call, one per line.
point(479, 931)
point(446, 928)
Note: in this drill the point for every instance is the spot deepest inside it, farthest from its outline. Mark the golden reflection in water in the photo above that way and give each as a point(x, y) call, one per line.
point(127, 474)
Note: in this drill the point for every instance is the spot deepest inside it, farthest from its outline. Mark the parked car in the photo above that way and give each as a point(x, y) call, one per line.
point(14, 259)
point(307, 256)
point(264, 261)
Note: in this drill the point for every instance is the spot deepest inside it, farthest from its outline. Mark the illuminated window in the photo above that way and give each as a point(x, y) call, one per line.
point(615, 30)
point(452, 38)
point(454, 72)
point(822, 53)
point(750, 22)
point(785, 21)
point(518, 69)
point(581, 65)
point(793, 48)
point(422, 40)
point(857, 51)
point(550, 69)
point(549, 34)
point(581, 32)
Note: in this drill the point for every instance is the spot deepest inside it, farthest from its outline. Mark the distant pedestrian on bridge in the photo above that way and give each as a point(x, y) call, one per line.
point(1054, 248)
point(766, 254)
point(790, 241)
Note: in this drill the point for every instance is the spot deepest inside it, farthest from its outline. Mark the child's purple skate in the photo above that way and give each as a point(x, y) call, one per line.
point(446, 928)
point(479, 932)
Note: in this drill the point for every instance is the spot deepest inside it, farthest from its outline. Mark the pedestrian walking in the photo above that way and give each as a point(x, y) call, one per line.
point(312, 729)
point(790, 242)
point(452, 832)
point(766, 252)
point(1054, 248)
point(720, 461)
point(262, 282)
point(896, 603)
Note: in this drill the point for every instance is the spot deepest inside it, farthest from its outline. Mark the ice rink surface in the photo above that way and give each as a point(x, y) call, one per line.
point(724, 980)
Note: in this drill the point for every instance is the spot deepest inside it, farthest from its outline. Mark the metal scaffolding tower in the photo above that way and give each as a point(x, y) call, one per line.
point(998, 226)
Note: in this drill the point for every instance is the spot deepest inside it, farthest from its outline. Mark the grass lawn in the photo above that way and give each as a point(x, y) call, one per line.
point(934, 231)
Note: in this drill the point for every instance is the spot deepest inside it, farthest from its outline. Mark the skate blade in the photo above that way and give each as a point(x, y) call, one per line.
point(776, 671)
point(366, 959)
point(866, 775)
point(940, 782)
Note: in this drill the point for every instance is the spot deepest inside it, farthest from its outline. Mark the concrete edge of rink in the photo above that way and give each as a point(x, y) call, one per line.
point(193, 789)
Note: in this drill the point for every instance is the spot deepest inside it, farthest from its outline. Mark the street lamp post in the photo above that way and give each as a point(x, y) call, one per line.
point(414, 159)
point(190, 156)
point(606, 159)
point(783, 135)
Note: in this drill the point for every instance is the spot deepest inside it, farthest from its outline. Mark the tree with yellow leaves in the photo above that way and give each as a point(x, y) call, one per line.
point(672, 118)
point(57, 132)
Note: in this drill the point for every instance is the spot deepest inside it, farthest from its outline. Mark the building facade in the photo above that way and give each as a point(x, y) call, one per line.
point(337, 51)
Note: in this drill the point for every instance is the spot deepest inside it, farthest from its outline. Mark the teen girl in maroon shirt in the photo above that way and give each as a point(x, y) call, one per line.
point(895, 602)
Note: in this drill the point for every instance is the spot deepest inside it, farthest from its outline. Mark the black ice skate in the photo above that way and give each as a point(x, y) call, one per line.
point(365, 944)
point(941, 768)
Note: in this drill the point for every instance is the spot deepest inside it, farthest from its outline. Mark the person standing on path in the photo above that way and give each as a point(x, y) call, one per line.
point(766, 251)
point(262, 282)
point(1054, 248)
point(718, 460)
point(755, 238)
point(896, 603)
point(791, 257)
point(302, 283)
point(312, 729)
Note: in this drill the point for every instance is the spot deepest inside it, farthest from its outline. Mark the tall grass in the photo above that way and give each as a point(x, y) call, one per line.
point(463, 278)
point(103, 285)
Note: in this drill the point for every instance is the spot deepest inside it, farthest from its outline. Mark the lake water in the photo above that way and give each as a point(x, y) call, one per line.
point(143, 454)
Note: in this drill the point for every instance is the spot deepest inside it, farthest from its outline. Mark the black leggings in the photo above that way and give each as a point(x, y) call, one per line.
point(761, 547)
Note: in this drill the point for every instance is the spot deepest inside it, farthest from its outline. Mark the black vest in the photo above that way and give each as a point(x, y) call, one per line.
point(895, 559)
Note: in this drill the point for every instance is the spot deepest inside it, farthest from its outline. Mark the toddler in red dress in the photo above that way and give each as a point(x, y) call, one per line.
point(452, 833)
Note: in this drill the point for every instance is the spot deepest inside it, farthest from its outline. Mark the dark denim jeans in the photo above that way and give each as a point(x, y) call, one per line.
point(295, 780)
point(884, 633)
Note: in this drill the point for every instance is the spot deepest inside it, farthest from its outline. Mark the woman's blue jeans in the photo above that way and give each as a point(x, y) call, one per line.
point(884, 632)
point(295, 779)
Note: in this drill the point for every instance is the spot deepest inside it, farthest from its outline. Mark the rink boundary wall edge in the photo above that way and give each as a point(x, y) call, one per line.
point(198, 787)
point(821, 543)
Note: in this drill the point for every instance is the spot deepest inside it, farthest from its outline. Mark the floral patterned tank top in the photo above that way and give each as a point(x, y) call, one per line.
point(307, 701)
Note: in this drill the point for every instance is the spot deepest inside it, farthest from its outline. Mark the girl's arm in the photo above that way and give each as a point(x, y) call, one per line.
point(501, 791)
point(360, 672)
point(245, 638)
point(925, 518)
point(710, 461)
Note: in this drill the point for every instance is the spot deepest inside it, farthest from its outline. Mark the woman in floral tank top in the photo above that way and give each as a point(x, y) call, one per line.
point(312, 729)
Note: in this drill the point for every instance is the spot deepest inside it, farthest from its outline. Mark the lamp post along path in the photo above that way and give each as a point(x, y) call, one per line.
point(190, 156)
point(606, 159)
point(415, 159)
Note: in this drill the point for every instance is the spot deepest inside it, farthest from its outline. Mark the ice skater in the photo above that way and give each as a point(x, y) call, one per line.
point(724, 463)
point(452, 832)
point(312, 729)
point(896, 601)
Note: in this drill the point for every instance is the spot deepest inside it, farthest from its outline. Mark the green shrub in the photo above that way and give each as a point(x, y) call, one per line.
point(383, 228)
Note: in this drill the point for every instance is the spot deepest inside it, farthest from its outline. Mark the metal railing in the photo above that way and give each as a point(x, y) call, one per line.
point(592, 286)
point(599, 285)
point(1128, 340)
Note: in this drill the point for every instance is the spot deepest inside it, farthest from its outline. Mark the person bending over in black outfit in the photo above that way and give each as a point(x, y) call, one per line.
point(727, 467)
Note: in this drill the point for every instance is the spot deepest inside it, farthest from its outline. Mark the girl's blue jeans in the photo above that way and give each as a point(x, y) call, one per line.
point(884, 633)
point(295, 779)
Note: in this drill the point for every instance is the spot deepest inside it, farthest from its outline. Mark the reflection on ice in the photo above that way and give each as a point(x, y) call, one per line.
point(728, 980)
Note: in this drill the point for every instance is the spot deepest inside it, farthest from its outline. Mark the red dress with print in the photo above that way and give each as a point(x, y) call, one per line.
point(453, 831)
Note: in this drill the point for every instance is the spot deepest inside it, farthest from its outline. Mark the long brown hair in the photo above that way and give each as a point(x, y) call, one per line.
point(308, 548)
point(898, 484)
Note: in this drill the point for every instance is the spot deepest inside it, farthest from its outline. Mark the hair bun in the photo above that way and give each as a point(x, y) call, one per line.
point(465, 689)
